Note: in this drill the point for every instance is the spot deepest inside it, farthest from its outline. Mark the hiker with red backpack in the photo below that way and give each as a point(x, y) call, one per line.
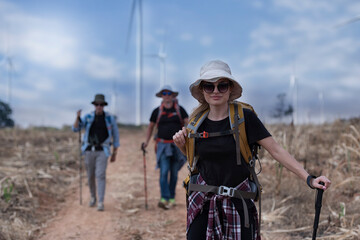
point(220, 142)
point(169, 118)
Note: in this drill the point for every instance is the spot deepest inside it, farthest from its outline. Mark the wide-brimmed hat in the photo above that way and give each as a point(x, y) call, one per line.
point(166, 88)
point(99, 98)
point(211, 72)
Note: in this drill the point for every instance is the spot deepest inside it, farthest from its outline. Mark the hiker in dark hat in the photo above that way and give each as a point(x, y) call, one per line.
point(169, 118)
point(101, 132)
point(221, 201)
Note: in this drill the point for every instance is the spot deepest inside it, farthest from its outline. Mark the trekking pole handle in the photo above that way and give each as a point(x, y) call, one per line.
point(318, 205)
point(143, 148)
point(319, 194)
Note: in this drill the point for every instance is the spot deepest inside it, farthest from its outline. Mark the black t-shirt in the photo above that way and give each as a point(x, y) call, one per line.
point(169, 122)
point(217, 155)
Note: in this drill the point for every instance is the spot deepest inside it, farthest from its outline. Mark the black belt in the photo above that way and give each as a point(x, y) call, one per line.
point(94, 148)
point(222, 190)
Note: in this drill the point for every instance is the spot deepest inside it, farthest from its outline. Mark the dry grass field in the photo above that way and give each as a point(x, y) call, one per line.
point(39, 187)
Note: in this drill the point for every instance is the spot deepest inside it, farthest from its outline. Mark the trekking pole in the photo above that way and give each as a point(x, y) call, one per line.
point(318, 204)
point(80, 165)
point(144, 153)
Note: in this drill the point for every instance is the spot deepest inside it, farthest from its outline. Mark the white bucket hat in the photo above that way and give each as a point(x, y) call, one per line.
point(166, 88)
point(211, 72)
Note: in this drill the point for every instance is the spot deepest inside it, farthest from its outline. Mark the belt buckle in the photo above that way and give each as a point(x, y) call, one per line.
point(93, 148)
point(226, 191)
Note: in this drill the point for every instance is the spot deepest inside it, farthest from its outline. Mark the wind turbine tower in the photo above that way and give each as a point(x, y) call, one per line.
point(10, 71)
point(7, 62)
point(294, 97)
point(137, 8)
point(161, 55)
point(321, 100)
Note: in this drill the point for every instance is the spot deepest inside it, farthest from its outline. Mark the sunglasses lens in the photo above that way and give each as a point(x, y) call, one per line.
point(208, 87)
point(223, 87)
point(99, 104)
point(166, 93)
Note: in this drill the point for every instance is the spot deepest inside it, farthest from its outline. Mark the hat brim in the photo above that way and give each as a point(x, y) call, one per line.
point(214, 76)
point(103, 102)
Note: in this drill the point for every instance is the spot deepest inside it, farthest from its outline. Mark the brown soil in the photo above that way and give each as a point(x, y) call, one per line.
point(125, 216)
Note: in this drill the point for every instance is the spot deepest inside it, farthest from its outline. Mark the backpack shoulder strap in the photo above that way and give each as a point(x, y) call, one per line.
point(178, 112)
point(237, 121)
point(161, 108)
point(192, 127)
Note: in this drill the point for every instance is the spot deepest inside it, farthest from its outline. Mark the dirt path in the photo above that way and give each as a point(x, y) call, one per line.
point(125, 216)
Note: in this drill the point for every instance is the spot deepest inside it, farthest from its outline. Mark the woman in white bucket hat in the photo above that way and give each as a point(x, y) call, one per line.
point(220, 214)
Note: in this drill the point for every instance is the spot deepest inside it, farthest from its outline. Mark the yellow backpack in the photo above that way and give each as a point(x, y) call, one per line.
point(237, 122)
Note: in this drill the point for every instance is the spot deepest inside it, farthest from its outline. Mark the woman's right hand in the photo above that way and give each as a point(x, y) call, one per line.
point(179, 139)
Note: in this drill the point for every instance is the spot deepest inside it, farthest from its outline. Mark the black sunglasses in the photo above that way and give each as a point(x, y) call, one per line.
point(210, 87)
point(99, 104)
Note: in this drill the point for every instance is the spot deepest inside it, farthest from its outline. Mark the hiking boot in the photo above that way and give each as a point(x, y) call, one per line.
point(100, 206)
point(172, 202)
point(163, 204)
point(92, 202)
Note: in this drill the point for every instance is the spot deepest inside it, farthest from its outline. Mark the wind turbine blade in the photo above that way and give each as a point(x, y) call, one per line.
point(352, 20)
point(130, 25)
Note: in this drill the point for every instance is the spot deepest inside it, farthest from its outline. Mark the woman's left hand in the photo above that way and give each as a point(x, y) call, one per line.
point(316, 182)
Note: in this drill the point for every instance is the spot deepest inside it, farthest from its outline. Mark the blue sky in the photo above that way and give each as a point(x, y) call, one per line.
point(64, 52)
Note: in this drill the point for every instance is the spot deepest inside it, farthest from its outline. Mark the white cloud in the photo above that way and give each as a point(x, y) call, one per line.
point(25, 95)
point(254, 60)
point(263, 35)
point(101, 67)
point(45, 41)
point(48, 48)
point(206, 41)
point(39, 82)
point(186, 37)
point(257, 4)
point(305, 5)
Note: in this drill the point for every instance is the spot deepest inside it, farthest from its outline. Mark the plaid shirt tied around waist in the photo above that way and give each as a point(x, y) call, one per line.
point(231, 228)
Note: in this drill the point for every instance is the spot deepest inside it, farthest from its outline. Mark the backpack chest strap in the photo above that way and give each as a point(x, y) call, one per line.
point(212, 134)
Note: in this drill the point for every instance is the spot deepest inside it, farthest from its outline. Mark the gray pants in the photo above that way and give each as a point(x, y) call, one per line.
point(96, 163)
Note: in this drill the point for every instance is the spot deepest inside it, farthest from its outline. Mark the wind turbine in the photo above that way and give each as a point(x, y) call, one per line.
point(114, 99)
point(161, 55)
point(321, 100)
point(351, 20)
point(137, 8)
point(294, 95)
point(9, 67)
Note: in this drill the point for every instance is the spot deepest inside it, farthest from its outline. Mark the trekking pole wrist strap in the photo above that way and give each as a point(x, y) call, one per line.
point(308, 179)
